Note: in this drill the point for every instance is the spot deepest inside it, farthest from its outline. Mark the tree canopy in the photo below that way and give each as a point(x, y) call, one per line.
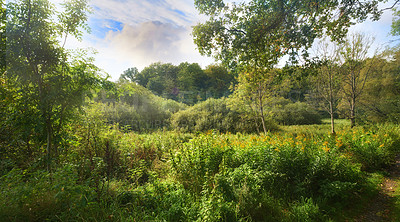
point(258, 33)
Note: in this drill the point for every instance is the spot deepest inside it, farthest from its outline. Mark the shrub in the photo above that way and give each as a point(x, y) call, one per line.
point(137, 109)
point(298, 113)
point(214, 114)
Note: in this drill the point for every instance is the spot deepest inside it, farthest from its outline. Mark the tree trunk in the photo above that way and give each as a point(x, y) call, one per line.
point(333, 125)
point(263, 123)
point(352, 113)
point(262, 111)
point(49, 147)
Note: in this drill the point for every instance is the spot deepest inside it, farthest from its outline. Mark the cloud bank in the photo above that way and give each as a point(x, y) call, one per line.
point(133, 33)
point(147, 42)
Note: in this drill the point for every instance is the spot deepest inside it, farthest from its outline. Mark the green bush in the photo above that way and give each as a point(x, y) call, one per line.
point(41, 196)
point(136, 108)
point(374, 149)
point(215, 114)
point(298, 113)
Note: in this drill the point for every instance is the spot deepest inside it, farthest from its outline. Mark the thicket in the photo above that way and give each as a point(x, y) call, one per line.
point(298, 113)
point(134, 107)
point(215, 114)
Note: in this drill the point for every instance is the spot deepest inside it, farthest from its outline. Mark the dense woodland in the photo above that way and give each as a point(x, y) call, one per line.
point(239, 140)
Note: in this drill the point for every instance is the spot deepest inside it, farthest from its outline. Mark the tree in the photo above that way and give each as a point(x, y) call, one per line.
point(2, 37)
point(395, 23)
point(129, 74)
point(381, 98)
point(356, 69)
point(266, 30)
point(255, 93)
point(159, 78)
point(219, 80)
point(327, 81)
point(191, 82)
point(49, 82)
point(252, 36)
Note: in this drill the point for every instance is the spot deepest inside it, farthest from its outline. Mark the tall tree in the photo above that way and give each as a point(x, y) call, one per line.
point(130, 74)
point(159, 78)
point(50, 82)
point(356, 70)
point(327, 80)
point(219, 80)
point(255, 92)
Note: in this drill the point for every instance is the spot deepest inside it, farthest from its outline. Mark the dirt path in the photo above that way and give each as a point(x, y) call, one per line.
point(380, 207)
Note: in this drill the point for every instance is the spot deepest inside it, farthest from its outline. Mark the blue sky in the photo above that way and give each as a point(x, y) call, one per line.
point(136, 33)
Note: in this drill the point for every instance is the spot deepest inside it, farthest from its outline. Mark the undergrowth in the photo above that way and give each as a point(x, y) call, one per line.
point(293, 175)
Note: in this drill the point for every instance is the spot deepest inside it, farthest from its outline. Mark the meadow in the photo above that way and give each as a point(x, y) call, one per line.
point(298, 173)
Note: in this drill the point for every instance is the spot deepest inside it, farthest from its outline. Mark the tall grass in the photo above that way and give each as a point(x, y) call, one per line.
point(301, 173)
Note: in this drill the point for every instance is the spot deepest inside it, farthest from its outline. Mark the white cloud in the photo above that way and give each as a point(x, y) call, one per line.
point(134, 12)
point(150, 41)
point(152, 31)
point(139, 46)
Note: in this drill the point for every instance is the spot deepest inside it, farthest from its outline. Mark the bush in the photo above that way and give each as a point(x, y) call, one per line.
point(374, 149)
point(298, 113)
point(137, 109)
point(215, 114)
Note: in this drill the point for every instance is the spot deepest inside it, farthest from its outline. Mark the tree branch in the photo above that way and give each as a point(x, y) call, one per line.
point(389, 8)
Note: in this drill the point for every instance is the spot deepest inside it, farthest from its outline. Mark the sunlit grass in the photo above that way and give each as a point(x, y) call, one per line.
point(319, 129)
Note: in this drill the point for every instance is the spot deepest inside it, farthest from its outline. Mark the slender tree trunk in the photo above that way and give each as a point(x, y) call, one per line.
point(49, 147)
point(331, 112)
point(262, 111)
point(263, 122)
point(331, 104)
point(352, 112)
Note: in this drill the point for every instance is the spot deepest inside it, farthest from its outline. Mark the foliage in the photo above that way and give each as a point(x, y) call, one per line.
point(109, 168)
point(47, 83)
point(282, 176)
point(186, 83)
point(380, 102)
point(214, 114)
point(266, 30)
point(298, 113)
point(135, 108)
point(219, 80)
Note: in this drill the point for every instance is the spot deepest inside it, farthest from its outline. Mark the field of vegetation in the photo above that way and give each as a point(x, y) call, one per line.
point(299, 173)
point(240, 140)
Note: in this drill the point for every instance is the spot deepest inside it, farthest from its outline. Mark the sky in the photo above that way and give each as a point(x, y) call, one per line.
point(136, 33)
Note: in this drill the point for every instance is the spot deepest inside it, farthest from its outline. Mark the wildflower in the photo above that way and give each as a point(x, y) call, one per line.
point(382, 145)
